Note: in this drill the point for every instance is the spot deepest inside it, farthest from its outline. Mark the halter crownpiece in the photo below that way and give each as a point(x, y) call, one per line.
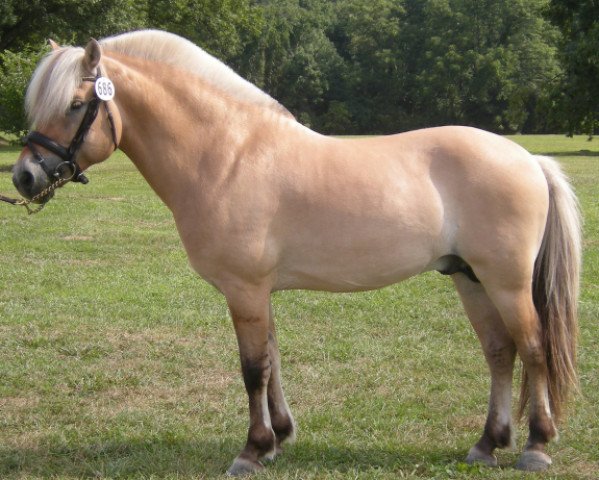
point(69, 169)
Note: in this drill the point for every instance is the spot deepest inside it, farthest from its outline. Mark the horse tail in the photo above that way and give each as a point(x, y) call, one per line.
point(556, 286)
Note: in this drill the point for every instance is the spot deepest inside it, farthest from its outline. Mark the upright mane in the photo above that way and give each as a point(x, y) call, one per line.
point(173, 50)
point(62, 69)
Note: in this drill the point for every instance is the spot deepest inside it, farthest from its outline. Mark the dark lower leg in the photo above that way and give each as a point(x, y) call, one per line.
point(261, 438)
point(252, 336)
point(280, 416)
point(542, 431)
point(541, 426)
point(498, 427)
point(495, 435)
point(500, 352)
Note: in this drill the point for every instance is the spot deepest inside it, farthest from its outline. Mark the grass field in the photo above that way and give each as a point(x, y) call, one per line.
point(116, 361)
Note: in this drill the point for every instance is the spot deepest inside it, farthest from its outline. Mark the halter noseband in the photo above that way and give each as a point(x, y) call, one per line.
point(69, 167)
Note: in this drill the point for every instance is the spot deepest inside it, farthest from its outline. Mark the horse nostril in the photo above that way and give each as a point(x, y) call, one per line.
point(24, 181)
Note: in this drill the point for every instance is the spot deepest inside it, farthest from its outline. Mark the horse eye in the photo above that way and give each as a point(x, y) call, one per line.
point(76, 105)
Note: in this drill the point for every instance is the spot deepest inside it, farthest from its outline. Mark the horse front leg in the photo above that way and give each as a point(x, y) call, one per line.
point(281, 418)
point(250, 311)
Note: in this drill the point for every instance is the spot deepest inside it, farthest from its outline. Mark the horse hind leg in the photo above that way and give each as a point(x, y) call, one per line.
point(500, 352)
point(519, 315)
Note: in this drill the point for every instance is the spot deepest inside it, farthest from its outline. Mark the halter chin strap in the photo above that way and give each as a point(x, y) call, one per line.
point(69, 167)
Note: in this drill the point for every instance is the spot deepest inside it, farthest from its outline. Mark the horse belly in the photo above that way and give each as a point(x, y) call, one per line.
point(358, 276)
point(359, 255)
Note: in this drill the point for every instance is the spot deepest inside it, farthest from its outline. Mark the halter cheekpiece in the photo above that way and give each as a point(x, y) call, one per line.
point(69, 168)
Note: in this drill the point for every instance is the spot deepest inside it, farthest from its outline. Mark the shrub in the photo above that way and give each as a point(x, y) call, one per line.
point(15, 71)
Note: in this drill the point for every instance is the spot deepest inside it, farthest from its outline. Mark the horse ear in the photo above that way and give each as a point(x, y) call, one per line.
point(93, 53)
point(53, 44)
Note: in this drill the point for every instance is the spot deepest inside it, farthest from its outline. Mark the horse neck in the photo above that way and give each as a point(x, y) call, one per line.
point(177, 129)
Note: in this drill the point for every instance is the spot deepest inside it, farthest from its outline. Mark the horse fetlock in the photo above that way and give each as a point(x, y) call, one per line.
point(542, 431)
point(284, 428)
point(260, 445)
point(501, 436)
point(261, 442)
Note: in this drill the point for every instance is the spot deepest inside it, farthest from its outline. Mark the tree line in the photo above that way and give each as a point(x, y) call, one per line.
point(355, 66)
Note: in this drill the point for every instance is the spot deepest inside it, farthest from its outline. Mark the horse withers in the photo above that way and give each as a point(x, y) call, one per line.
point(263, 204)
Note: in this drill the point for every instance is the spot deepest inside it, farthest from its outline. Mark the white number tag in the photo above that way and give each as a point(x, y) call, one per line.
point(104, 89)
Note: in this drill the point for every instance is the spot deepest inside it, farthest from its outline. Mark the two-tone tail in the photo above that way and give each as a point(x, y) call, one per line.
point(555, 287)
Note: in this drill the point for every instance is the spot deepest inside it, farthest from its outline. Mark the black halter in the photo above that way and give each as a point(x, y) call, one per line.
point(69, 168)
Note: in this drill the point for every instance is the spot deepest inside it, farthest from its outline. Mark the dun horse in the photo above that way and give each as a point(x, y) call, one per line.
point(262, 203)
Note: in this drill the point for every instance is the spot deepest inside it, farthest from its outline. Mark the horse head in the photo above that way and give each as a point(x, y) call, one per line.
point(71, 130)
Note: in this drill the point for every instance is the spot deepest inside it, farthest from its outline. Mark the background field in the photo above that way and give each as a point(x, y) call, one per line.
point(116, 361)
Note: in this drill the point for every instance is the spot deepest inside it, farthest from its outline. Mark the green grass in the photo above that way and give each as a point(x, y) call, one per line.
point(116, 361)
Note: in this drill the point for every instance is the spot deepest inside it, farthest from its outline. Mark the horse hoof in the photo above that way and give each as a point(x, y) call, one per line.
point(475, 455)
point(243, 466)
point(534, 461)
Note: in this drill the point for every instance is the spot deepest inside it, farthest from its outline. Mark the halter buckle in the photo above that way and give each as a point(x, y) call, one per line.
point(64, 170)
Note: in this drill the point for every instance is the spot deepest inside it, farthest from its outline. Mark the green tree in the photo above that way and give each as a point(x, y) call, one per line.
point(368, 36)
point(15, 71)
point(25, 28)
point(578, 100)
point(417, 63)
point(353, 66)
point(32, 22)
point(293, 58)
point(477, 62)
point(222, 28)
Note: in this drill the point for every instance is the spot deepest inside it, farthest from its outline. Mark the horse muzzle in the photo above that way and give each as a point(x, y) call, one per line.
point(31, 179)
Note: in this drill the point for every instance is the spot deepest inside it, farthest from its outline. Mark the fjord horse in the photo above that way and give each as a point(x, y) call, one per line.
point(262, 203)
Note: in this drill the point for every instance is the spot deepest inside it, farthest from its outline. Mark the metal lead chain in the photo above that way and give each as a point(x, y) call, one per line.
point(46, 191)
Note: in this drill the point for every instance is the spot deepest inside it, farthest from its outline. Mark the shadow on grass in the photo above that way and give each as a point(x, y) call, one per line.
point(118, 459)
point(180, 457)
point(579, 153)
point(414, 460)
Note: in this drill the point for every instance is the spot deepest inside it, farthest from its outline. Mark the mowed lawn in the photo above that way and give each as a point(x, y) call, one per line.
point(117, 361)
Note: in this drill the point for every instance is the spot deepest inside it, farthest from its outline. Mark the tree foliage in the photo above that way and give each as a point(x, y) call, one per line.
point(222, 28)
point(32, 22)
point(578, 97)
point(303, 68)
point(360, 66)
point(15, 71)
